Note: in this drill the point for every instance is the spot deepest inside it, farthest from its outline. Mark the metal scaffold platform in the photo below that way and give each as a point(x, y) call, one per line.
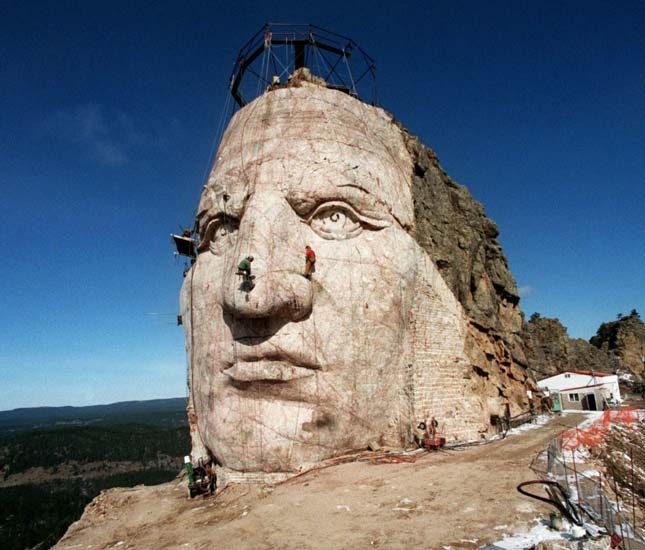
point(279, 49)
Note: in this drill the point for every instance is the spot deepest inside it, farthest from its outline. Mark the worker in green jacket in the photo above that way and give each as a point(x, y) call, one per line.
point(244, 269)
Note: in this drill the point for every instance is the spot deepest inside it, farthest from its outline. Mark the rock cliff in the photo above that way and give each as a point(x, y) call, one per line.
point(623, 341)
point(550, 350)
point(617, 347)
point(452, 227)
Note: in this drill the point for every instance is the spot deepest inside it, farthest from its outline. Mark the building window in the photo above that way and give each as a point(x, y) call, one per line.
point(574, 397)
point(567, 376)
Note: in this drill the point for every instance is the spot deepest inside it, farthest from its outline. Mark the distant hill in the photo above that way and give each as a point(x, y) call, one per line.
point(617, 347)
point(624, 339)
point(55, 460)
point(155, 412)
point(550, 350)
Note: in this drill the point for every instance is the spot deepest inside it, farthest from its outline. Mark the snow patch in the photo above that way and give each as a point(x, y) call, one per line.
point(539, 533)
point(535, 423)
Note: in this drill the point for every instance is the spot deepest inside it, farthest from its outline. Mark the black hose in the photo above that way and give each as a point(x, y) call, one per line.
point(560, 498)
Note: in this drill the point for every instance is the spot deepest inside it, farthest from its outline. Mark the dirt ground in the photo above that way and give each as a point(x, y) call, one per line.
point(454, 498)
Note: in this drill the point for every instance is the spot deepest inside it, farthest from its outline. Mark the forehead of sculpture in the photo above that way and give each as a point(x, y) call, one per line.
point(304, 141)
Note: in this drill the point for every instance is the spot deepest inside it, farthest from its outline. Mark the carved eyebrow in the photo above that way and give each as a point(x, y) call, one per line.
point(305, 201)
point(206, 234)
point(213, 205)
point(355, 185)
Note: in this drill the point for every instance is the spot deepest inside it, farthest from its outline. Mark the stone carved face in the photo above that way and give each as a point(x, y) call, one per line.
point(298, 370)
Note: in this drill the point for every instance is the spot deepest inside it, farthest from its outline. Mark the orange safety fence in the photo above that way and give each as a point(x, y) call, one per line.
point(596, 432)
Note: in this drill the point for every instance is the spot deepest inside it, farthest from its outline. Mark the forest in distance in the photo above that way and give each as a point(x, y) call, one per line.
point(55, 460)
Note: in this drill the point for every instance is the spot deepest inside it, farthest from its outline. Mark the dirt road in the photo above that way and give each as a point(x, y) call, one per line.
point(458, 499)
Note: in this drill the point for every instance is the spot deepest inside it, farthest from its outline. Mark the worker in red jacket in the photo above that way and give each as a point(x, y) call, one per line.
point(310, 260)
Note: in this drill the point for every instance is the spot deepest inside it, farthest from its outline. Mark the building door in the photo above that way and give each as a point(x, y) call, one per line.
point(589, 402)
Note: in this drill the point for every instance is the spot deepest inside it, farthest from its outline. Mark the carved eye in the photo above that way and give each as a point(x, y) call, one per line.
point(336, 221)
point(220, 233)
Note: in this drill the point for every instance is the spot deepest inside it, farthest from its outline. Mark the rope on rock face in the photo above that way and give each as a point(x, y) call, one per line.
point(286, 52)
point(264, 71)
point(192, 356)
point(315, 63)
point(223, 119)
point(273, 61)
point(332, 130)
point(350, 410)
point(351, 76)
point(250, 186)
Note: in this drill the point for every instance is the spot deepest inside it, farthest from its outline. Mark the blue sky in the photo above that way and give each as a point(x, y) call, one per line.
point(108, 112)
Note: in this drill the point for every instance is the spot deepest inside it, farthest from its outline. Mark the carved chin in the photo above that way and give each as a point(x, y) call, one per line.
point(266, 433)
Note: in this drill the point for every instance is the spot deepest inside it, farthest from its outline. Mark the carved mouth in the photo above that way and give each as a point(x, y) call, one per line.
point(254, 359)
point(267, 369)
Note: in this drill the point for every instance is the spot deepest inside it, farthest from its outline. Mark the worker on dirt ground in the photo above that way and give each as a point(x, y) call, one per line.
point(421, 435)
point(432, 429)
point(244, 269)
point(310, 261)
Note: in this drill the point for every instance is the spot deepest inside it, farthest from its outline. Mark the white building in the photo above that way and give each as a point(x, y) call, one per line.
point(582, 389)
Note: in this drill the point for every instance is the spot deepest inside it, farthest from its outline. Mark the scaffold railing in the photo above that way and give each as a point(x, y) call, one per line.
point(278, 49)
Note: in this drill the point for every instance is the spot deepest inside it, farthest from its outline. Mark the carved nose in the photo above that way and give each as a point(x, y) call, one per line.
point(270, 232)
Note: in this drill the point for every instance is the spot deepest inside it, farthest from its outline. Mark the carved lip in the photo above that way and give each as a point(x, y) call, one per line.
point(253, 349)
point(268, 370)
point(256, 359)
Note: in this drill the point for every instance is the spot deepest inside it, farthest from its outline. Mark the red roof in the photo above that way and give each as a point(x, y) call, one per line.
point(589, 373)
